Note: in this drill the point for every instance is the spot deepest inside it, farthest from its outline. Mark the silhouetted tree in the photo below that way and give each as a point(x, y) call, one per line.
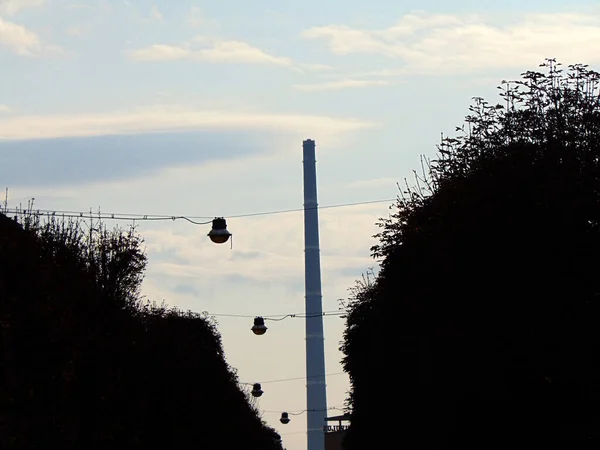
point(86, 363)
point(480, 330)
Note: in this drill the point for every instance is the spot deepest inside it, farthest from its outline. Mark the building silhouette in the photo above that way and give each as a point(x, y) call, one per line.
point(334, 433)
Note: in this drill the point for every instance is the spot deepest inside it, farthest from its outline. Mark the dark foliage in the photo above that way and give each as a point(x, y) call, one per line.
point(481, 329)
point(85, 363)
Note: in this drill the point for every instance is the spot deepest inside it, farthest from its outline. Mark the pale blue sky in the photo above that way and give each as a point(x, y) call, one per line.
point(200, 108)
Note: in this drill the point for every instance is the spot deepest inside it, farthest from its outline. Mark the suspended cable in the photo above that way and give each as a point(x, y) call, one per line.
point(162, 217)
point(302, 411)
point(293, 432)
point(277, 317)
point(297, 378)
point(283, 211)
point(307, 316)
point(150, 217)
point(100, 215)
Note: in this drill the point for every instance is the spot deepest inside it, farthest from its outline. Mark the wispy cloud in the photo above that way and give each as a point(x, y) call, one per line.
point(279, 255)
point(154, 15)
point(196, 17)
point(169, 118)
point(78, 30)
point(341, 84)
point(17, 38)
point(315, 67)
point(22, 41)
point(11, 7)
point(4, 109)
point(160, 52)
point(442, 43)
point(373, 183)
point(212, 51)
point(78, 160)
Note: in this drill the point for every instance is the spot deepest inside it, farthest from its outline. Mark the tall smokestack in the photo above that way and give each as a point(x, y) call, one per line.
point(316, 392)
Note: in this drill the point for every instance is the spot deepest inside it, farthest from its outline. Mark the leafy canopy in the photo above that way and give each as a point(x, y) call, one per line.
point(487, 297)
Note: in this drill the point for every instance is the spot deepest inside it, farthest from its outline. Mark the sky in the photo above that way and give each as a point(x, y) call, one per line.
point(199, 108)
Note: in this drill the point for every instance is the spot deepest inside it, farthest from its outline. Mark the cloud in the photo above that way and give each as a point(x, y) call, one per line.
point(340, 84)
point(78, 150)
point(442, 43)
point(18, 39)
point(196, 17)
point(275, 245)
point(170, 118)
point(217, 51)
point(155, 15)
point(75, 161)
point(387, 182)
point(210, 48)
point(77, 30)
point(4, 109)
point(186, 289)
point(315, 67)
point(160, 52)
point(78, 6)
point(12, 7)
point(240, 52)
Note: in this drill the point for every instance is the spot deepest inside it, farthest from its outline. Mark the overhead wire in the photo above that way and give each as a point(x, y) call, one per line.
point(278, 317)
point(158, 217)
point(283, 316)
point(283, 211)
point(302, 411)
point(194, 220)
point(296, 378)
point(293, 432)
